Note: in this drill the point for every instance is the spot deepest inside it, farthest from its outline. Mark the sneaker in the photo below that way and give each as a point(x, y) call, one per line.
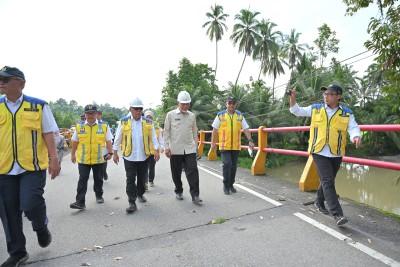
point(341, 220)
point(320, 206)
point(226, 190)
point(99, 200)
point(77, 205)
point(44, 237)
point(16, 259)
point(146, 186)
point(142, 199)
point(132, 207)
point(151, 184)
point(232, 189)
point(105, 177)
point(196, 199)
point(179, 196)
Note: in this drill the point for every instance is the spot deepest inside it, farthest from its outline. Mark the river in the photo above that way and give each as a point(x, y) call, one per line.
point(369, 185)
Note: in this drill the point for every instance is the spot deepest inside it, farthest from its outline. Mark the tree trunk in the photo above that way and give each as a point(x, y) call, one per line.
point(216, 58)
point(240, 69)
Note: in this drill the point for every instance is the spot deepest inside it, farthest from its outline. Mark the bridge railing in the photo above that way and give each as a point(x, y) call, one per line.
point(309, 179)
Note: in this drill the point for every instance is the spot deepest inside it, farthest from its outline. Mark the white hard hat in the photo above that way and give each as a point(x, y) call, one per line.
point(136, 103)
point(149, 112)
point(184, 97)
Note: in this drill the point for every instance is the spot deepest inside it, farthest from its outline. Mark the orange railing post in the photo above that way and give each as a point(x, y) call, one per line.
point(258, 166)
point(309, 180)
point(201, 144)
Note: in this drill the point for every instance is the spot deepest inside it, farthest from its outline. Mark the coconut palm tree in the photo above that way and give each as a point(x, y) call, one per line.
point(274, 68)
point(245, 33)
point(292, 48)
point(216, 28)
point(266, 42)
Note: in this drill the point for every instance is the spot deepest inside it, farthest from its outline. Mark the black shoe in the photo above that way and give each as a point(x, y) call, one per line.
point(146, 186)
point(320, 206)
point(179, 196)
point(132, 207)
point(232, 189)
point(99, 200)
point(77, 205)
point(44, 237)
point(142, 199)
point(196, 199)
point(16, 259)
point(105, 177)
point(226, 190)
point(341, 220)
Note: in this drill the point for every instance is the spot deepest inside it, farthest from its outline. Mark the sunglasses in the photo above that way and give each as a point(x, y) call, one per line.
point(137, 109)
point(7, 79)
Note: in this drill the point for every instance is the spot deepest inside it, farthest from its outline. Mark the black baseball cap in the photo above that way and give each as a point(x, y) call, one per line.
point(90, 108)
point(332, 87)
point(231, 98)
point(7, 71)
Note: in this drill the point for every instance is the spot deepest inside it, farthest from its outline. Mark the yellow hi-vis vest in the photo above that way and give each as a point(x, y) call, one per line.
point(230, 130)
point(21, 137)
point(332, 132)
point(157, 128)
point(92, 140)
point(147, 129)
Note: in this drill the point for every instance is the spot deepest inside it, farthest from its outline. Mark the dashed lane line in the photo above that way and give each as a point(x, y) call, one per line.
point(273, 202)
point(349, 241)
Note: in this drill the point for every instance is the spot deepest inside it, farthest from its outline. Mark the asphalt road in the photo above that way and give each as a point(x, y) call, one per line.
point(266, 225)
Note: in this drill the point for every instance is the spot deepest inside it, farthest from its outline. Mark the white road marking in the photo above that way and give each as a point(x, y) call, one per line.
point(273, 202)
point(349, 241)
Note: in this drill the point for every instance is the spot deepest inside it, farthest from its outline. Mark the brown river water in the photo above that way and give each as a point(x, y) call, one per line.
point(369, 185)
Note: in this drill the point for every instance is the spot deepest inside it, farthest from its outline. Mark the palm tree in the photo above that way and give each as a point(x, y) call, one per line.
point(245, 33)
point(266, 42)
point(216, 27)
point(274, 68)
point(292, 48)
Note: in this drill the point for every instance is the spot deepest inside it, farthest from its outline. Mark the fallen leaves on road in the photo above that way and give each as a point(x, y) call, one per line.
point(219, 220)
point(112, 213)
point(115, 198)
point(369, 241)
point(261, 217)
point(360, 215)
point(98, 247)
point(85, 264)
point(118, 258)
point(108, 225)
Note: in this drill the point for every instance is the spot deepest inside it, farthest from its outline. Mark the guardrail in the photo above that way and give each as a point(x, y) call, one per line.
point(309, 179)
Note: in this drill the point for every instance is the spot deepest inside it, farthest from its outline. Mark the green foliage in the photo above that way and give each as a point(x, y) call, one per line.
point(326, 42)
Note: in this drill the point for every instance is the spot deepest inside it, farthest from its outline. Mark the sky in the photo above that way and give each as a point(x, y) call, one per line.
point(114, 51)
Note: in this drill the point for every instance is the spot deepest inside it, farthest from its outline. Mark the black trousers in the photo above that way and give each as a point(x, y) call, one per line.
point(327, 169)
point(192, 173)
point(22, 193)
point(135, 169)
point(84, 172)
point(151, 172)
point(229, 167)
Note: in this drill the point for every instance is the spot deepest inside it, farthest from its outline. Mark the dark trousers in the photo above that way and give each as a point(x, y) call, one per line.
point(327, 169)
point(229, 160)
point(135, 169)
point(104, 169)
point(22, 193)
point(84, 171)
point(192, 173)
point(151, 172)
